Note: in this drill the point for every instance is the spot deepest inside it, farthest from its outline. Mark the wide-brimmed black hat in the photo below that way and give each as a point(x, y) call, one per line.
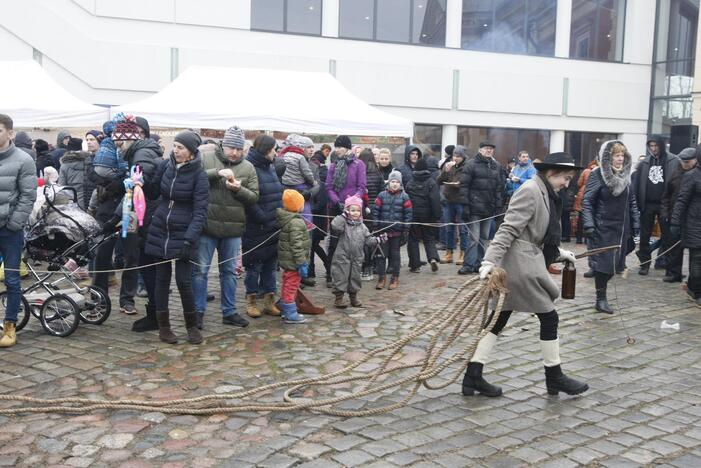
point(557, 161)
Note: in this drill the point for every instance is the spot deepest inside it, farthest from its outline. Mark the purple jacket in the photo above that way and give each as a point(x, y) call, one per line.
point(356, 182)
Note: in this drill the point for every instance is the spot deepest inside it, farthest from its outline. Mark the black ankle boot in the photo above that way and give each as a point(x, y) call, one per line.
point(147, 323)
point(474, 382)
point(602, 304)
point(557, 382)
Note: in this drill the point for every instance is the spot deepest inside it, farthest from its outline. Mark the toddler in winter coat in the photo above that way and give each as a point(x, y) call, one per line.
point(107, 163)
point(353, 237)
point(391, 215)
point(293, 252)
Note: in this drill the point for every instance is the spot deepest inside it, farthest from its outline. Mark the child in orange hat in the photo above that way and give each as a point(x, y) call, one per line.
point(293, 252)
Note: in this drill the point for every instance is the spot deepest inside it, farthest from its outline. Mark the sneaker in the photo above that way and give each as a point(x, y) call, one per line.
point(141, 292)
point(434, 265)
point(644, 270)
point(235, 320)
point(366, 276)
point(128, 309)
point(415, 270)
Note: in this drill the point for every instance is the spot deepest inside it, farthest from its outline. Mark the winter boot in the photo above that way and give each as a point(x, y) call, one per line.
point(9, 336)
point(394, 283)
point(339, 303)
point(269, 306)
point(164, 332)
point(461, 258)
point(434, 265)
point(354, 301)
point(473, 380)
point(448, 256)
point(148, 323)
point(290, 314)
point(193, 333)
point(306, 306)
point(602, 305)
point(252, 309)
point(381, 282)
point(555, 380)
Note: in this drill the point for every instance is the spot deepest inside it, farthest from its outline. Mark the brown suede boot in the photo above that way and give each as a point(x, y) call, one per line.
point(305, 306)
point(269, 306)
point(339, 303)
point(354, 300)
point(9, 337)
point(164, 332)
point(461, 258)
point(381, 282)
point(193, 333)
point(394, 283)
point(252, 309)
point(448, 256)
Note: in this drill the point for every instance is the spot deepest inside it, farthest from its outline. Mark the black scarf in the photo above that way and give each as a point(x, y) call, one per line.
point(553, 235)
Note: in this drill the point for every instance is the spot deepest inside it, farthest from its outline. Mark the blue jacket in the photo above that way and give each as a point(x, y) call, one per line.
point(259, 239)
point(391, 208)
point(182, 209)
point(522, 172)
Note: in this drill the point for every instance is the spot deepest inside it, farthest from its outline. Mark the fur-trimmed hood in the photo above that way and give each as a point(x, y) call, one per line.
point(617, 182)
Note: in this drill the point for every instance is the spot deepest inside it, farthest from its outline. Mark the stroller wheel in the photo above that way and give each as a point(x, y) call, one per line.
point(59, 315)
point(97, 306)
point(22, 315)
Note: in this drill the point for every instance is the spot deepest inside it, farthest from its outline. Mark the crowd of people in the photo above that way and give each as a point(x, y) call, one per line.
point(268, 208)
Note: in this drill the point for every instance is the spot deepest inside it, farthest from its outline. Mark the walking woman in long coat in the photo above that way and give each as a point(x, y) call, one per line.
point(609, 216)
point(524, 246)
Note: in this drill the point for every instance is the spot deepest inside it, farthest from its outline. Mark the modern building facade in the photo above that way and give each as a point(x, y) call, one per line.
point(540, 75)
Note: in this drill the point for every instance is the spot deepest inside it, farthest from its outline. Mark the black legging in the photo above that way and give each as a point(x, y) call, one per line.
point(548, 324)
point(317, 249)
point(183, 279)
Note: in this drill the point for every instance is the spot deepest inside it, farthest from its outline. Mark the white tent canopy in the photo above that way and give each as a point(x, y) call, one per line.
point(289, 101)
point(33, 99)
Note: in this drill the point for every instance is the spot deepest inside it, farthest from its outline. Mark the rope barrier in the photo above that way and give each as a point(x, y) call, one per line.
point(465, 312)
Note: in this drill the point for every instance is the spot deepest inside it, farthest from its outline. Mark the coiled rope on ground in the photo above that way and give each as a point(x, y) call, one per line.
point(462, 318)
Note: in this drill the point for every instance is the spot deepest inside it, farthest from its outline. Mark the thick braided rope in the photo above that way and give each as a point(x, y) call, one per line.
point(464, 312)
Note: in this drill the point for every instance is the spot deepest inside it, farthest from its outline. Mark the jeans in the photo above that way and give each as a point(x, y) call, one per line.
point(443, 230)
point(11, 245)
point(228, 249)
point(260, 277)
point(479, 240)
point(392, 253)
point(647, 222)
point(452, 213)
point(183, 279)
point(418, 233)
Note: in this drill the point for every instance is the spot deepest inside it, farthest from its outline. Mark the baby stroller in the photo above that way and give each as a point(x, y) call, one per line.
point(66, 237)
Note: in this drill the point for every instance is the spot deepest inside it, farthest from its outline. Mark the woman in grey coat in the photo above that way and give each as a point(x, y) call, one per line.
point(609, 216)
point(524, 246)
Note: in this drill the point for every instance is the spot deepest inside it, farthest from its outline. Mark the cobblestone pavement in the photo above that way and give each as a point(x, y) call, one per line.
point(643, 406)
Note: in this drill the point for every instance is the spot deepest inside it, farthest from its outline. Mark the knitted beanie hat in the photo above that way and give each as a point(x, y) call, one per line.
point(292, 201)
point(127, 130)
point(234, 137)
point(395, 175)
point(96, 133)
point(343, 142)
point(353, 201)
point(295, 140)
point(75, 144)
point(306, 141)
point(189, 140)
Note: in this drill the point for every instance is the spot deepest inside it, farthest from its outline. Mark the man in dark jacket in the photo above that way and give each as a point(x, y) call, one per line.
point(411, 155)
point(676, 255)
point(426, 202)
point(649, 181)
point(482, 186)
point(233, 185)
point(686, 225)
point(61, 144)
point(319, 210)
point(24, 142)
point(17, 195)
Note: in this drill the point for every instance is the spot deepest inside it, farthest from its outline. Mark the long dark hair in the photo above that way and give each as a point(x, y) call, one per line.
point(368, 158)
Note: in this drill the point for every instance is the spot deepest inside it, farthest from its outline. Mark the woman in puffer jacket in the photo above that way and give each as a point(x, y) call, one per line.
point(175, 229)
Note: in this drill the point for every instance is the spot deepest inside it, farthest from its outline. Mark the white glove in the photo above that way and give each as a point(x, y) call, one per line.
point(566, 256)
point(485, 269)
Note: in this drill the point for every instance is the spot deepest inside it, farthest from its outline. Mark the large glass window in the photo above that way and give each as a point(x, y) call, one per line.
point(291, 16)
point(511, 26)
point(597, 29)
point(404, 21)
point(428, 138)
point(673, 72)
point(508, 141)
point(584, 146)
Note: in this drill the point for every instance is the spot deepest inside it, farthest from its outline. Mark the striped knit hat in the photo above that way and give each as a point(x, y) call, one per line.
point(234, 137)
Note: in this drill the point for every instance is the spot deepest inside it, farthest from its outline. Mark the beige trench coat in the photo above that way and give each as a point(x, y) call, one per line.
point(517, 248)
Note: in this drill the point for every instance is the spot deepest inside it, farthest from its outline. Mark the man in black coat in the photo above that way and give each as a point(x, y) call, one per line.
point(676, 255)
point(482, 186)
point(425, 198)
point(649, 184)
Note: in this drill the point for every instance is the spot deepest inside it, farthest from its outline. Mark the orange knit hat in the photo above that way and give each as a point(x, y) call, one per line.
point(292, 201)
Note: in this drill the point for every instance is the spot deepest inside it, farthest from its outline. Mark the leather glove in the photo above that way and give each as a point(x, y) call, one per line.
point(382, 238)
point(566, 256)
point(590, 232)
point(676, 232)
point(303, 270)
point(306, 194)
point(485, 269)
point(110, 225)
point(185, 251)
